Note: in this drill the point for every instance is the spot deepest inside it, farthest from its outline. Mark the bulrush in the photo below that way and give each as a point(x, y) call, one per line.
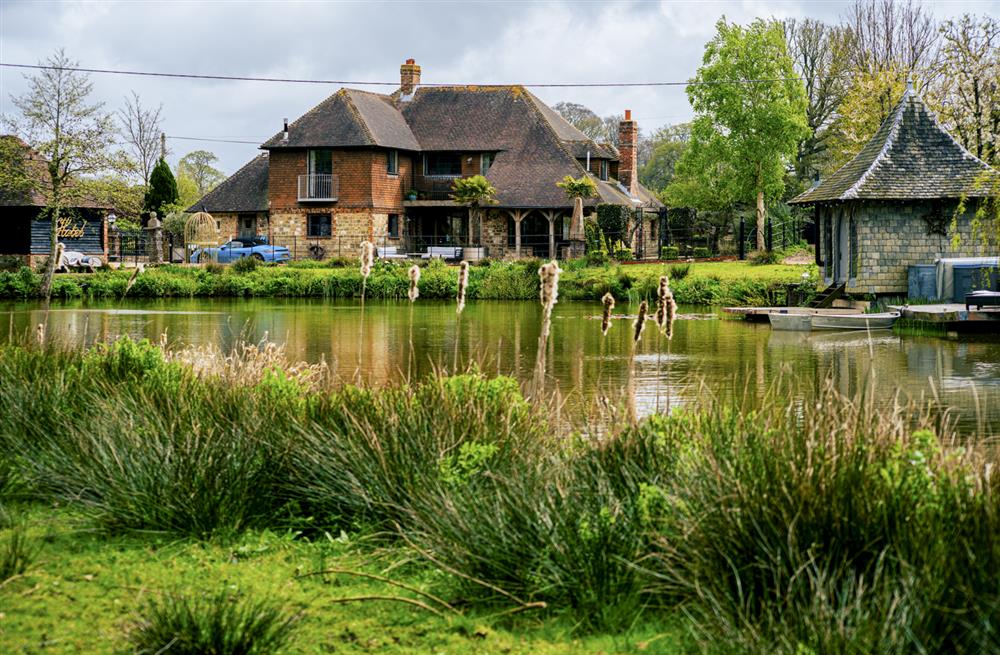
point(609, 305)
point(463, 284)
point(640, 321)
point(548, 274)
point(60, 249)
point(666, 308)
point(414, 274)
point(40, 332)
point(367, 258)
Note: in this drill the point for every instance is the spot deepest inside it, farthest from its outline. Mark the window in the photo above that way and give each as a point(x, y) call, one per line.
point(604, 169)
point(392, 162)
point(485, 162)
point(320, 162)
point(319, 225)
point(447, 164)
point(393, 226)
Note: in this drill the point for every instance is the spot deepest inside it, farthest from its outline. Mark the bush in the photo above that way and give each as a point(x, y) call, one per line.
point(245, 265)
point(597, 257)
point(701, 253)
point(678, 271)
point(222, 624)
point(764, 257)
point(10, 263)
point(621, 252)
point(612, 220)
point(670, 252)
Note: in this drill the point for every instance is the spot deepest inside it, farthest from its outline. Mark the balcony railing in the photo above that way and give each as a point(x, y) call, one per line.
point(318, 187)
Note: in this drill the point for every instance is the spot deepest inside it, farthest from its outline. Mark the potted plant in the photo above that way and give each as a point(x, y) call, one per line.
point(411, 194)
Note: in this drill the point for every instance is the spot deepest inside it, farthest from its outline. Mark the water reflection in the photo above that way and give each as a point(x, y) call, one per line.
point(384, 343)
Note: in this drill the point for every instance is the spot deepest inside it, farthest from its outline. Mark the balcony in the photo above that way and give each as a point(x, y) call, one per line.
point(318, 188)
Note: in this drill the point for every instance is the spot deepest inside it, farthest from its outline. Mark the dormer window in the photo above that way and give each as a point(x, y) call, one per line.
point(443, 164)
point(392, 162)
point(604, 170)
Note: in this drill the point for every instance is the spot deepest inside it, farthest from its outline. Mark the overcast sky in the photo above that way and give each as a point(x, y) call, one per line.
point(454, 42)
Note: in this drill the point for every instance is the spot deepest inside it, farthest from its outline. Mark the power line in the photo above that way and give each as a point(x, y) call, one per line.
point(200, 138)
point(290, 80)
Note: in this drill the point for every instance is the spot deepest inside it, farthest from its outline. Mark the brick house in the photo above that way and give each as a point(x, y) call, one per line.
point(891, 206)
point(26, 232)
point(367, 165)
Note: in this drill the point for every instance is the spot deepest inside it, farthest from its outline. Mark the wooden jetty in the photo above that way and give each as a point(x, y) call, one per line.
point(952, 314)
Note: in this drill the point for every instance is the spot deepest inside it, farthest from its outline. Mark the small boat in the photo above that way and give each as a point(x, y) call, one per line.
point(883, 321)
point(790, 322)
point(806, 322)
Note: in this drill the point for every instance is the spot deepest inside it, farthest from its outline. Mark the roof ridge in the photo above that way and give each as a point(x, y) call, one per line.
point(359, 116)
point(897, 121)
point(551, 130)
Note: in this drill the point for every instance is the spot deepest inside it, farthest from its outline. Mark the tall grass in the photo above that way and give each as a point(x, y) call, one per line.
point(829, 527)
point(221, 624)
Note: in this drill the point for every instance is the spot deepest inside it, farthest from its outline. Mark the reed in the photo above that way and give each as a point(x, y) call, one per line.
point(548, 291)
point(608, 301)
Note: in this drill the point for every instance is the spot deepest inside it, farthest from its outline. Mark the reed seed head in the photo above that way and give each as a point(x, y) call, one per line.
point(640, 321)
point(40, 333)
point(548, 276)
point(609, 305)
point(60, 249)
point(666, 308)
point(367, 258)
point(463, 284)
point(414, 274)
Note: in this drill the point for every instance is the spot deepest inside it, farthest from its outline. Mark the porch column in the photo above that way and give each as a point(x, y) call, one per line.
point(551, 216)
point(518, 216)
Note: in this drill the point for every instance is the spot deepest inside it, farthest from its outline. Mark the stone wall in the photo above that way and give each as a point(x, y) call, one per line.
point(892, 236)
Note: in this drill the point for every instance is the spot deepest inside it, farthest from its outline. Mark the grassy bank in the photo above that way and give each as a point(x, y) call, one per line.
point(707, 283)
point(783, 529)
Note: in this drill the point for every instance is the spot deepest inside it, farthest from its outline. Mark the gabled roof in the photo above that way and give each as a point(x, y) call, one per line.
point(243, 191)
point(910, 157)
point(348, 118)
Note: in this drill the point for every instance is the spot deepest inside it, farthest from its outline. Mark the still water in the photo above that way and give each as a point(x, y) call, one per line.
point(709, 354)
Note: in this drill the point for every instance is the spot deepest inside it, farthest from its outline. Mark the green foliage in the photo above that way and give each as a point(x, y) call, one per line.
point(678, 272)
point(869, 100)
point(17, 551)
point(668, 144)
point(197, 167)
point(474, 191)
point(621, 252)
point(701, 253)
point(162, 191)
point(670, 252)
point(584, 187)
point(9, 263)
point(613, 222)
point(17, 179)
point(763, 257)
point(221, 624)
point(245, 265)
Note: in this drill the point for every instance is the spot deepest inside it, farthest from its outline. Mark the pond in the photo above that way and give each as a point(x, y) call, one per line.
point(709, 353)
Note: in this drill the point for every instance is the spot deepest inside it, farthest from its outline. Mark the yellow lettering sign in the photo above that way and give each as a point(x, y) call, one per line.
point(66, 228)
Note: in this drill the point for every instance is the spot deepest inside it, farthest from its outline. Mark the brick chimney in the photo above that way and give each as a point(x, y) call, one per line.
point(409, 77)
point(628, 154)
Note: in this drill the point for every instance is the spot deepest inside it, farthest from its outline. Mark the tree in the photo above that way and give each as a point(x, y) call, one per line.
point(822, 58)
point(985, 223)
point(891, 34)
point(967, 95)
point(73, 136)
point(198, 167)
point(161, 195)
point(187, 189)
point(667, 145)
point(754, 122)
point(141, 128)
point(869, 101)
point(18, 178)
point(473, 192)
point(582, 187)
point(583, 119)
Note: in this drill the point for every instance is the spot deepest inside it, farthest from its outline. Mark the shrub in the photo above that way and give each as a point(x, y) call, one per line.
point(670, 252)
point(613, 222)
point(245, 265)
point(764, 257)
point(597, 257)
point(679, 271)
point(10, 263)
point(621, 252)
point(222, 624)
point(701, 253)
point(17, 552)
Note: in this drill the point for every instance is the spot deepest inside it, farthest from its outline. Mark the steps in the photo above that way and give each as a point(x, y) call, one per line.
point(826, 297)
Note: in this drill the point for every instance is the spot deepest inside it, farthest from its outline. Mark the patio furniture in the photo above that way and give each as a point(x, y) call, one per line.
point(390, 252)
point(442, 252)
point(982, 299)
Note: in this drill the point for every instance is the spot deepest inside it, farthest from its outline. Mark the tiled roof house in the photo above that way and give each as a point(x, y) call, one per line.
point(890, 206)
point(367, 165)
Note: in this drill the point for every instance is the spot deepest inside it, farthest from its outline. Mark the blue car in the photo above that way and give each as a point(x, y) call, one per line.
point(258, 248)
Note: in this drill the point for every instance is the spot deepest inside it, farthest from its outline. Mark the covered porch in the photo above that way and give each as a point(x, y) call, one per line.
point(499, 233)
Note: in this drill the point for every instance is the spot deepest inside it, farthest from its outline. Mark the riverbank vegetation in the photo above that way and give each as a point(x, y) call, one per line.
point(702, 283)
point(147, 487)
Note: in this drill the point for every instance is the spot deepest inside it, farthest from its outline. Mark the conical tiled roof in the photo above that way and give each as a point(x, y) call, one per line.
point(910, 157)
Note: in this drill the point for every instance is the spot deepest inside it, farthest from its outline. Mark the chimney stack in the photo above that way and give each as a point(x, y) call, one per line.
point(409, 77)
point(284, 133)
point(628, 154)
